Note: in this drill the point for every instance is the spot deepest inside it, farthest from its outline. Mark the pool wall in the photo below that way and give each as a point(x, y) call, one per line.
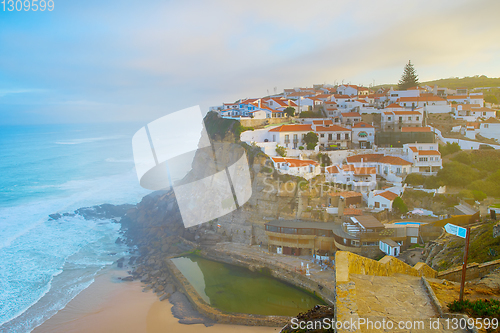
point(279, 271)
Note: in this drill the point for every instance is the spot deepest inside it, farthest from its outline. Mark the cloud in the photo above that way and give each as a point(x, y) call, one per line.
point(120, 60)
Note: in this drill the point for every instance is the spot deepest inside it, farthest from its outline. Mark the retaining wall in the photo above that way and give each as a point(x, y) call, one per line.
point(474, 271)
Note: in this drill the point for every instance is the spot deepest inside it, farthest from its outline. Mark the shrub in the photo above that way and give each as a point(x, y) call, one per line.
point(280, 150)
point(414, 179)
point(449, 148)
point(399, 206)
point(301, 147)
point(480, 308)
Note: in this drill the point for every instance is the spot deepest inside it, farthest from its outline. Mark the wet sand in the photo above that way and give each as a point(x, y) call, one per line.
point(110, 305)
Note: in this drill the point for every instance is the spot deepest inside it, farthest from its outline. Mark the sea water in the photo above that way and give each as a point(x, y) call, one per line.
point(47, 169)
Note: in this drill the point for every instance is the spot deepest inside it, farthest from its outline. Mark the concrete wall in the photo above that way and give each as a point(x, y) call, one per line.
point(464, 144)
point(474, 271)
point(349, 263)
point(223, 318)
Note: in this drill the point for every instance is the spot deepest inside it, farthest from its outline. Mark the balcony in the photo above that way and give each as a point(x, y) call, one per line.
point(287, 141)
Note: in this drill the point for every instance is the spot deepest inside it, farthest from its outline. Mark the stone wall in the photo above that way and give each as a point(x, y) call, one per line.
point(349, 263)
point(474, 271)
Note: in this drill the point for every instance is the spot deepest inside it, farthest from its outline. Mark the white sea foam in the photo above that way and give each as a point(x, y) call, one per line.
point(87, 140)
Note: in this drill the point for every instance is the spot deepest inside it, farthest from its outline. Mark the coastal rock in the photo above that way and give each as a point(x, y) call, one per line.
point(184, 311)
point(56, 216)
point(104, 211)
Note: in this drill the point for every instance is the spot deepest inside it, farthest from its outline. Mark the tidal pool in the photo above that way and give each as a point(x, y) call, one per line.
point(231, 288)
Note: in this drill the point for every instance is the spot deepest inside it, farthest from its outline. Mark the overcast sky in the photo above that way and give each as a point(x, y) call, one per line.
point(99, 61)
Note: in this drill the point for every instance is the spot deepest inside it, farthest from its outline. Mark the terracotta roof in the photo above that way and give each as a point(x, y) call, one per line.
point(294, 162)
point(362, 125)
point(332, 128)
point(405, 113)
point(351, 114)
point(323, 122)
point(393, 106)
point(429, 152)
point(332, 169)
point(481, 109)
point(388, 195)
point(422, 98)
point(392, 160)
point(414, 149)
point(341, 96)
point(469, 106)
point(457, 97)
point(367, 158)
point(292, 128)
point(492, 121)
point(352, 211)
point(415, 129)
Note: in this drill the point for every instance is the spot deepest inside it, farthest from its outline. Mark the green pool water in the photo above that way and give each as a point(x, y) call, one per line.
point(236, 289)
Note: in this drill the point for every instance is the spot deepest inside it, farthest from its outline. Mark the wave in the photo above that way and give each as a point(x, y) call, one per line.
point(88, 140)
point(117, 160)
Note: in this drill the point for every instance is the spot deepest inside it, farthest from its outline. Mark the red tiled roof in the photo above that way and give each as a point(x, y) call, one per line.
point(294, 162)
point(422, 98)
point(351, 114)
point(388, 195)
point(429, 152)
point(292, 128)
point(457, 97)
point(415, 129)
point(405, 113)
point(332, 128)
point(360, 170)
point(367, 158)
point(393, 106)
point(414, 149)
point(392, 160)
point(323, 122)
point(332, 169)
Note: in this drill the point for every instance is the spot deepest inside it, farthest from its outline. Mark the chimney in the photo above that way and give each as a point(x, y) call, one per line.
point(289, 102)
point(259, 102)
point(341, 206)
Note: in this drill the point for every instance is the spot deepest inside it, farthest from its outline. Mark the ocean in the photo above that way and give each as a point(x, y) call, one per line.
point(47, 169)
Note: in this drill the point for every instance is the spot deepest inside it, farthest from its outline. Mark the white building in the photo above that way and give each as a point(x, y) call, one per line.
point(425, 156)
point(290, 136)
point(392, 168)
point(399, 119)
point(333, 136)
point(297, 167)
point(361, 179)
point(381, 200)
point(363, 135)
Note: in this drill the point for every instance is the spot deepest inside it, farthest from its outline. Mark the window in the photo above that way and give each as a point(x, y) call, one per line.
point(409, 118)
point(485, 125)
point(423, 159)
point(287, 138)
point(330, 136)
point(418, 118)
point(322, 135)
point(347, 136)
point(432, 159)
point(338, 136)
point(484, 113)
point(362, 134)
point(348, 179)
point(388, 118)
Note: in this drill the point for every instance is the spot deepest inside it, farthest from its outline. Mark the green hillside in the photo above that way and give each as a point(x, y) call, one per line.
point(468, 82)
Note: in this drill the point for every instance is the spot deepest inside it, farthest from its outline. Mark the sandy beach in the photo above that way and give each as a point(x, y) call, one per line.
point(111, 305)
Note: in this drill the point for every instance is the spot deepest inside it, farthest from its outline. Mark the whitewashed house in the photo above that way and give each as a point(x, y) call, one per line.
point(297, 167)
point(363, 135)
point(426, 157)
point(290, 136)
point(381, 200)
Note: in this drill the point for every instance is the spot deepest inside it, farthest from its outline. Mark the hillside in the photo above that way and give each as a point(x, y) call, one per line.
point(455, 82)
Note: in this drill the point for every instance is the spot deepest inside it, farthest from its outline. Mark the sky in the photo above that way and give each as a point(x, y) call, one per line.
point(123, 60)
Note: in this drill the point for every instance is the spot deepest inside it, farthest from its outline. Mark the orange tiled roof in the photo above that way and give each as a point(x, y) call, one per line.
point(321, 122)
point(429, 152)
point(360, 170)
point(294, 162)
point(351, 114)
point(388, 195)
point(393, 106)
point(292, 128)
point(332, 169)
point(332, 128)
point(414, 149)
point(392, 160)
point(367, 158)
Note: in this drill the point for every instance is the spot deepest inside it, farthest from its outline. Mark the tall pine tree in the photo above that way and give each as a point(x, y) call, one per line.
point(409, 78)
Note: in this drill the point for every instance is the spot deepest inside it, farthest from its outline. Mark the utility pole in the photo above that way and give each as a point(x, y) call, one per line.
point(464, 267)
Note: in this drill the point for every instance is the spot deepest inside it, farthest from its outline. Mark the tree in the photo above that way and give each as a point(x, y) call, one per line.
point(409, 78)
point(324, 159)
point(311, 139)
point(290, 111)
point(491, 99)
point(399, 206)
point(280, 150)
